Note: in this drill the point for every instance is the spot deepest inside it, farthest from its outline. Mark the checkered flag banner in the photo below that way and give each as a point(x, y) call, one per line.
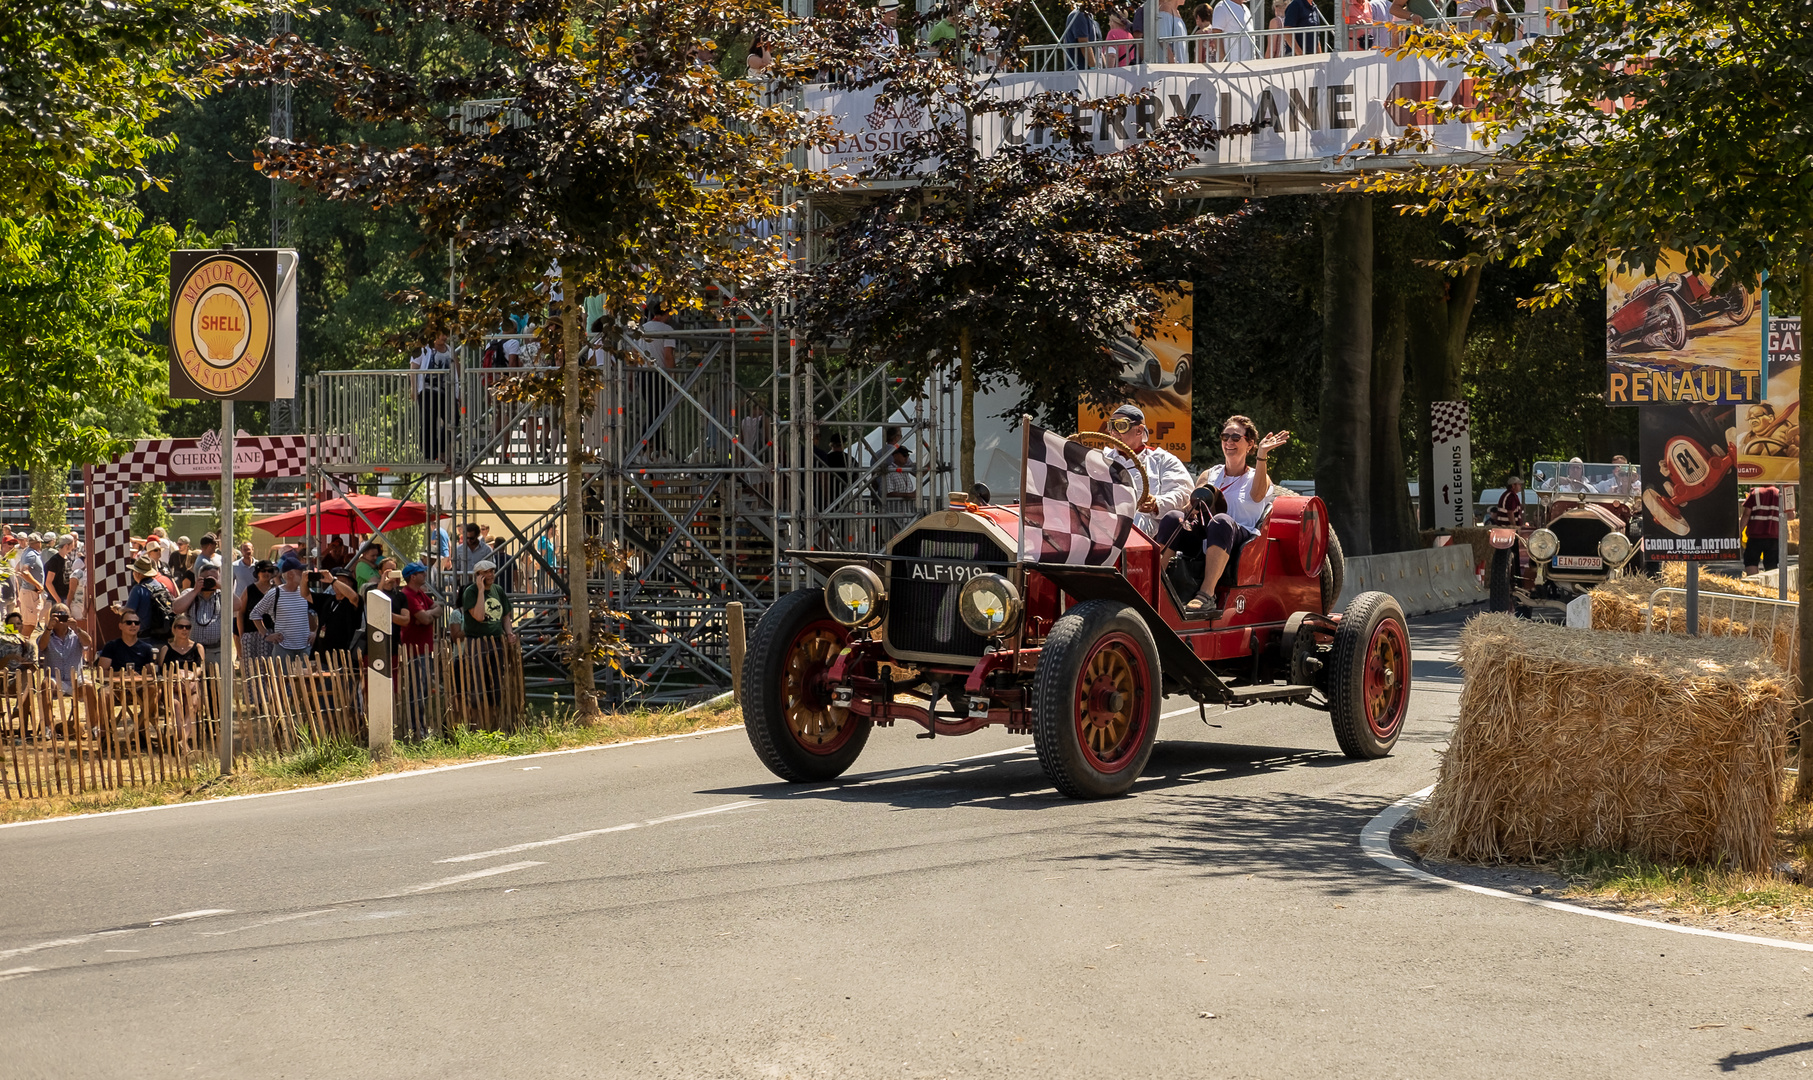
point(1076, 506)
point(1448, 420)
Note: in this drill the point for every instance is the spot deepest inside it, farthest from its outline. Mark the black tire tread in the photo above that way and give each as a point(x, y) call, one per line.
point(760, 664)
point(1347, 679)
point(1498, 580)
point(1054, 681)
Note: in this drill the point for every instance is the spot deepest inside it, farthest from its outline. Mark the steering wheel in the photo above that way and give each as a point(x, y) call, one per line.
point(1101, 440)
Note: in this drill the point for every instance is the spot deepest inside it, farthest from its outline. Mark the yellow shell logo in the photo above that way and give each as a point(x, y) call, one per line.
point(221, 326)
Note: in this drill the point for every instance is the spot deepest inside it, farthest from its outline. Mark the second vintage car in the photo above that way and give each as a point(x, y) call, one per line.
point(1588, 529)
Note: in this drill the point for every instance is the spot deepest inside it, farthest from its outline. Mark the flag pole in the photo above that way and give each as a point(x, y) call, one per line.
point(1025, 449)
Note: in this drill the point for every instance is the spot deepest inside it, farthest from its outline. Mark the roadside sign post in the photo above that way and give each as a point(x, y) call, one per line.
point(380, 650)
point(232, 336)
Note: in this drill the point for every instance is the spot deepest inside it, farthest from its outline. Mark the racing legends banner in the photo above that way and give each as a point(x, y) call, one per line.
point(1318, 107)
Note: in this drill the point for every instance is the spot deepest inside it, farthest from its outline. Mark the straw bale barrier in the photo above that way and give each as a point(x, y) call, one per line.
point(1576, 740)
point(1621, 604)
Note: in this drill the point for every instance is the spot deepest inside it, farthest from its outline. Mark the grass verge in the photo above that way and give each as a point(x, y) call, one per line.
point(332, 762)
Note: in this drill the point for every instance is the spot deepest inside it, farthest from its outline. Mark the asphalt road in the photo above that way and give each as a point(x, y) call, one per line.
point(668, 909)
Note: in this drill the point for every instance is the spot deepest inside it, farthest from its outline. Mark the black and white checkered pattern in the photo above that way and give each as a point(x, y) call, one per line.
point(110, 494)
point(1448, 420)
point(1077, 505)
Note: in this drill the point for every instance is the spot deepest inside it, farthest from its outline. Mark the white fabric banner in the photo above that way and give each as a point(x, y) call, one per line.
point(1450, 429)
point(1322, 106)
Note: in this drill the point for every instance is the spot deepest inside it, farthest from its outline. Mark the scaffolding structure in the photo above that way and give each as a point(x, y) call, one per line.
point(703, 474)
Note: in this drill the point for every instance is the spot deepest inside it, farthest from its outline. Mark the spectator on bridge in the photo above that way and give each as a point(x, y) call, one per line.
point(432, 393)
point(1232, 22)
point(1120, 55)
point(650, 349)
point(1416, 12)
point(1303, 14)
point(253, 644)
point(1079, 27)
point(289, 609)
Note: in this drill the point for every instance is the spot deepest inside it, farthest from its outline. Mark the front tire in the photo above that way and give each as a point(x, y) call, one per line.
point(1369, 679)
point(1499, 580)
point(1096, 698)
point(786, 702)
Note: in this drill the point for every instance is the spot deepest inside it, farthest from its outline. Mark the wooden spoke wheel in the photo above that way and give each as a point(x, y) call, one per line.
point(1369, 682)
point(787, 709)
point(1096, 698)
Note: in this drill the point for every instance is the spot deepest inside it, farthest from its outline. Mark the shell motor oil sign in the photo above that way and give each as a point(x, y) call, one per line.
point(233, 324)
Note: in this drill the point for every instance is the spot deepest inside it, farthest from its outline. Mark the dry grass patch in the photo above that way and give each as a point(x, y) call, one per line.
point(334, 761)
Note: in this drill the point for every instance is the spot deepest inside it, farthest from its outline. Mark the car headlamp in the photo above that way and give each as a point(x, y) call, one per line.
point(1544, 545)
point(989, 605)
point(1614, 548)
point(855, 596)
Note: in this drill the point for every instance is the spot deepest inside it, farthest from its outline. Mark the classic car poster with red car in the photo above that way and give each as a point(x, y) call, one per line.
point(1677, 335)
point(1158, 371)
point(1768, 442)
point(1690, 499)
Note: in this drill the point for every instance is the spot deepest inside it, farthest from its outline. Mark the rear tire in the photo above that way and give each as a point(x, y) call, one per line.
point(1334, 573)
point(786, 704)
point(1498, 580)
point(1096, 699)
point(1369, 684)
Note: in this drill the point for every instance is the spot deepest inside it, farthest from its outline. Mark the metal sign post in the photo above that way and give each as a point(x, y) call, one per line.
point(227, 644)
point(380, 647)
point(1693, 598)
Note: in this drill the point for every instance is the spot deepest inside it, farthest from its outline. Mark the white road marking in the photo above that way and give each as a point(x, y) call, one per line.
point(459, 878)
point(262, 922)
point(83, 939)
point(1375, 840)
point(17, 973)
point(570, 837)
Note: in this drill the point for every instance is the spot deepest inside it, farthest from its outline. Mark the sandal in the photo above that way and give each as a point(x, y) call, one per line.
point(1201, 606)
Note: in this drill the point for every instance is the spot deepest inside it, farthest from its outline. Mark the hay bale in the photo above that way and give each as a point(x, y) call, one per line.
point(1620, 604)
point(1674, 575)
point(1576, 740)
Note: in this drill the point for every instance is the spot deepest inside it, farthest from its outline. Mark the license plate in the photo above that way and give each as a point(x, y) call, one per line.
point(1579, 562)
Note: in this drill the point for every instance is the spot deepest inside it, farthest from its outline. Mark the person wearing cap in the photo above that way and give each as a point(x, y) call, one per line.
point(1170, 477)
point(28, 581)
point(181, 559)
point(886, 38)
point(290, 611)
point(148, 600)
point(365, 567)
point(414, 610)
point(485, 611)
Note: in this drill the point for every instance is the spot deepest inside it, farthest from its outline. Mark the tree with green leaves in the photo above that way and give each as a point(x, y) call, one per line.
point(1023, 257)
point(623, 155)
point(1642, 125)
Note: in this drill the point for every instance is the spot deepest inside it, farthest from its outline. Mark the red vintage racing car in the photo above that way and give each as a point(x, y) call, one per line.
point(949, 631)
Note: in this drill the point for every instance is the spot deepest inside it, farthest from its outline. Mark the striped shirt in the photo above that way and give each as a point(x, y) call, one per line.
point(290, 615)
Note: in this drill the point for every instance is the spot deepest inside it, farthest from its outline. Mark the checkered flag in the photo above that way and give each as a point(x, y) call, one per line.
point(1076, 505)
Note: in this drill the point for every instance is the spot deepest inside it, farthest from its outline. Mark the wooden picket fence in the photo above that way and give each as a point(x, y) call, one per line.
point(122, 730)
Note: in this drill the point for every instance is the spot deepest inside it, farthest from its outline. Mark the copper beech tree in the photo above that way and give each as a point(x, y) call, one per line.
point(1003, 238)
point(622, 154)
point(1638, 125)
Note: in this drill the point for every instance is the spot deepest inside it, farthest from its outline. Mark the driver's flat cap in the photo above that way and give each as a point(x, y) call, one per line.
point(1130, 411)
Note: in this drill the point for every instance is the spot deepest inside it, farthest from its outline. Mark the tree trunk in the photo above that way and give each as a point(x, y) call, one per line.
point(49, 496)
point(579, 599)
point(966, 446)
point(1436, 343)
point(1803, 784)
point(1344, 442)
point(1393, 522)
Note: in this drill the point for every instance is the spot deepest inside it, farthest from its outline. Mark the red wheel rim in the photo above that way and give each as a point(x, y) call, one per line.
point(1112, 703)
point(806, 696)
point(1387, 690)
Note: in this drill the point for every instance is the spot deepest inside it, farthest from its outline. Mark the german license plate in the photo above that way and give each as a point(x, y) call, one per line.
point(1579, 562)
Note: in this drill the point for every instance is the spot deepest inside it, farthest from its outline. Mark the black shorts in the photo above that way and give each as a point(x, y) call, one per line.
point(1762, 550)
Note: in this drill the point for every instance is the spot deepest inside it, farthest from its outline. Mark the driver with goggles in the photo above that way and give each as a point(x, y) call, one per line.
point(1171, 483)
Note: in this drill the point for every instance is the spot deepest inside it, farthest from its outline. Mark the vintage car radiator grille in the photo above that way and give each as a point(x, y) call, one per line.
point(1578, 535)
point(922, 615)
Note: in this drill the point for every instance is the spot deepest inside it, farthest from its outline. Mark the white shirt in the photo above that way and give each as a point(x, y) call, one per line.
point(1238, 491)
point(1171, 484)
point(1235, 21)
point(654, 348)
point(430, 360)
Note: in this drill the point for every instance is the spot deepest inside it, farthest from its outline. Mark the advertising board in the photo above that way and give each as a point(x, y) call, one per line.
point(1158, 368)
point(1690, 504)
point(1768, 448)
point(1679, 336)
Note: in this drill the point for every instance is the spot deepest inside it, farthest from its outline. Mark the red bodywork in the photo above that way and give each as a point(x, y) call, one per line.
point(1278, 578)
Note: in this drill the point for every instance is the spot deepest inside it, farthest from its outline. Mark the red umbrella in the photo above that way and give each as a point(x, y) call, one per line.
point(335, 514)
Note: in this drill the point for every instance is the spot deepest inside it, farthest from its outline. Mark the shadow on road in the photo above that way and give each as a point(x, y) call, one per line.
point(1730, 1062)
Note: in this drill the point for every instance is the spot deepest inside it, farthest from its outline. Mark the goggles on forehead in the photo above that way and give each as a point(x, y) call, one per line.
point(1120, 425)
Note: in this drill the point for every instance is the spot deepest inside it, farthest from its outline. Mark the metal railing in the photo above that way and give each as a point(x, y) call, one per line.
point(1775, 622)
